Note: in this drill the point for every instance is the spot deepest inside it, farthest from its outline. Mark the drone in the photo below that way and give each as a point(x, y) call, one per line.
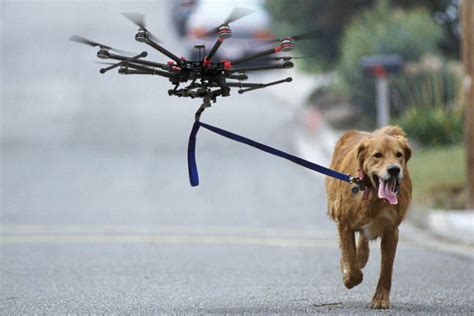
point(208, 79)
point(203, 78)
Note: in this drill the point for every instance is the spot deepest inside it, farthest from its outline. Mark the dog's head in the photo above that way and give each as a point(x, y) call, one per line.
point(383, 158)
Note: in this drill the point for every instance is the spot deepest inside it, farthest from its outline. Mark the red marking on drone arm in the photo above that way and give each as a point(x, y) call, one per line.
point(206, 61)
point(277, 49)
point(183, 58)
point(227, 64)
point(220, 39)
point(170, 62)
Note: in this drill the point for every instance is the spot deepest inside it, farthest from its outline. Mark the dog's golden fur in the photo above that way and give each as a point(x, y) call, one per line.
point(370, 155)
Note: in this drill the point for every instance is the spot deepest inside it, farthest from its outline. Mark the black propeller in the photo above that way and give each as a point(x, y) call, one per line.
point(299, 37)
point(139, 20)
point(83, 40)
point(285, 58)
point(236, 14)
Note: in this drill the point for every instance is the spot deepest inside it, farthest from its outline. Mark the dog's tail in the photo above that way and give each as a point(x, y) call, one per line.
point(392, 130)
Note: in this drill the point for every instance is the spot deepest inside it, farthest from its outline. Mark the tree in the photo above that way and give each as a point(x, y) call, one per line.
point(468, 59)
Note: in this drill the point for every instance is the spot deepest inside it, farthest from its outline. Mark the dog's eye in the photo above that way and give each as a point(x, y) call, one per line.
point(399, 154)
point(378, 155)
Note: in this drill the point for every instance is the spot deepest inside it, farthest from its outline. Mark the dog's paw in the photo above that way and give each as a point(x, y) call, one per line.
point(380, 303)
point(352, 278)
point(381, 300)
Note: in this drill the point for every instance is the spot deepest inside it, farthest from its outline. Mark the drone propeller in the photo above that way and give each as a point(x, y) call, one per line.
point(236, 14)
point(285, 58)
point(299, 37)
point(83, 40)
point(139, 20)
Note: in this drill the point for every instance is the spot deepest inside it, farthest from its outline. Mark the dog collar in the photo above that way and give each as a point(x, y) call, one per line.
point(362, 176)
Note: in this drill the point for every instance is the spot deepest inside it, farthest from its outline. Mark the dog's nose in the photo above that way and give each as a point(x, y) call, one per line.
point(393, 171)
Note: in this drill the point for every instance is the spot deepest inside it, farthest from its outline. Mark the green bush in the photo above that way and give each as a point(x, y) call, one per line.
point(433, 126)
point(427, 82)
point(429, 98)
point(382, 30)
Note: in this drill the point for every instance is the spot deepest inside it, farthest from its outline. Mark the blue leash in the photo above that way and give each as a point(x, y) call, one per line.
point(192, 167)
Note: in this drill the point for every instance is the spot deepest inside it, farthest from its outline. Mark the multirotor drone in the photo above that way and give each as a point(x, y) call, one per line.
point(205, 78)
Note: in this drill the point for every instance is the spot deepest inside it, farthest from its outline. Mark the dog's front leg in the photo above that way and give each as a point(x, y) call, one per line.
point(388, 246)
point(350, 267)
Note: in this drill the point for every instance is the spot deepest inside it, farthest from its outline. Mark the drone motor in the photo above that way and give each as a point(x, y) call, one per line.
point(103, 53)
point(141, 35)
point(286, 44)
point(224, 32)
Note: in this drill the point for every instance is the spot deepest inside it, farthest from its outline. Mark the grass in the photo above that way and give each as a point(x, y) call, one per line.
point(439, 177)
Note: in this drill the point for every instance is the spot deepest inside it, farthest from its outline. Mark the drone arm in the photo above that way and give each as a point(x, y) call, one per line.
point(264, 85)
point(104, 70)
point(131, 69)
point(285, 65)
point(258, 55)
point(163, 50)
point(141, 68)
point(214, 49)
point(140, 61)
point(239, 76)
point(134, 72)
point(244, 85)
point(143, 71)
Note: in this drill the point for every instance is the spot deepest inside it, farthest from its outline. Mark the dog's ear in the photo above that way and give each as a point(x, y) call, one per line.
point(406, 149)
point(362, 153)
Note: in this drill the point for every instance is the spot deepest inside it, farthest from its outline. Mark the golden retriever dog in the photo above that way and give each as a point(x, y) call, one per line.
point(380, 159)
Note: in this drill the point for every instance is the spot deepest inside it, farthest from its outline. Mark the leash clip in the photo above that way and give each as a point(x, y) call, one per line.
point(359, 184)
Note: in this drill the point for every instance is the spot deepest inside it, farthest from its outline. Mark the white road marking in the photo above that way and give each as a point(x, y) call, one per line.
point(169, 239)
point(169, 229)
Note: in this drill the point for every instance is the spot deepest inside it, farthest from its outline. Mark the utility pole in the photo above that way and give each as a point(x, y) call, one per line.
point(467, 12)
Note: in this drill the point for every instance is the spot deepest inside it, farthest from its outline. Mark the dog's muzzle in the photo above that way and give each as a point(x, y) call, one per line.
point(388, 188)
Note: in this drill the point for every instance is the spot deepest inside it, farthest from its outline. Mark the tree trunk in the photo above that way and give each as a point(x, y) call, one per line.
point(467, 12)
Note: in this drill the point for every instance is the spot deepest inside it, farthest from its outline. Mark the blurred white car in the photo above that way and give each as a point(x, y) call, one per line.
point(246, 32)
point(180, 12)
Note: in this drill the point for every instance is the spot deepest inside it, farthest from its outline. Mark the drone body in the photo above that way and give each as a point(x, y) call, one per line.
point(204, 78)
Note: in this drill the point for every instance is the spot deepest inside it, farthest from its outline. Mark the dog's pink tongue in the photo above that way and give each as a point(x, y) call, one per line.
point(385, 192)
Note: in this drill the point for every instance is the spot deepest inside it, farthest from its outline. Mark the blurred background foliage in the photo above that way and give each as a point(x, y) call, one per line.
point(429, 99)
point(330, 18)
point(348, 30)
point(382, 30)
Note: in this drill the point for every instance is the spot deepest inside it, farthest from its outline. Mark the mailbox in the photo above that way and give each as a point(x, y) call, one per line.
point(381, 65)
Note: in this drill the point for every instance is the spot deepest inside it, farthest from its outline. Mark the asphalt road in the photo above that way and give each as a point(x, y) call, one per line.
point(97, 216)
